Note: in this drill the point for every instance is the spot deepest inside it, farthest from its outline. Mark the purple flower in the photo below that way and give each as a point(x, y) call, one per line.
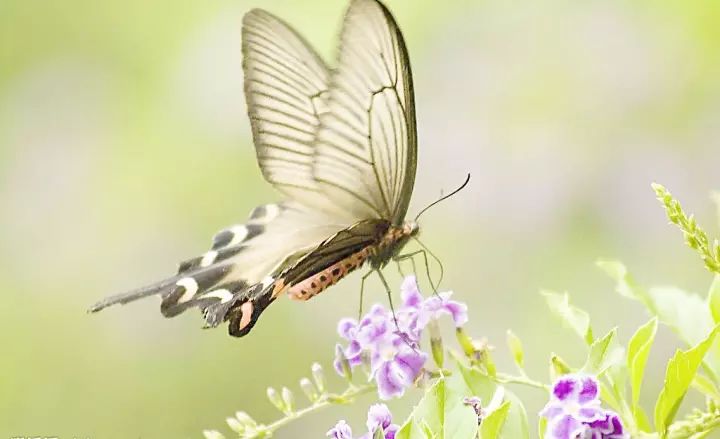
point(390, 343)
point(341, 430)
point(396, 369)
point(574, 411)
point(379, 417)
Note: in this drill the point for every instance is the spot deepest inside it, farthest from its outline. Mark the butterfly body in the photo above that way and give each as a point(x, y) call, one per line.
point(339, 144)
point(377, 254)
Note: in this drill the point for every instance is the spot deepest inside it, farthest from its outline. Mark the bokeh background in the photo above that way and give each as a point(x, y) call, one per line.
point(124, 146)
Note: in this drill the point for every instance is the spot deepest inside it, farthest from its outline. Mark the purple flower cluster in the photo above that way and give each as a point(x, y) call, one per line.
point(574, 411)
point(390, 344)
point(378, 417)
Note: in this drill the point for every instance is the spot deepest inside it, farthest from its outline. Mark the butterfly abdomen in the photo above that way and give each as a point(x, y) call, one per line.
point(317, 283)
point(378, 254)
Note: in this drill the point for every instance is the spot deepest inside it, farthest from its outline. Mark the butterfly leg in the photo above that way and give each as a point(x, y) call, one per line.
point(362, 291)
point(411, 256)
point(389, 294)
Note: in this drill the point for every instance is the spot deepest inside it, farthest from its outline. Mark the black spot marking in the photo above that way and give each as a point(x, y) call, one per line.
point(336, 272)
point(313, 285)
point(323, 278)
point(169, 306)
point(188, 265)
point(210, 276)
point(258, 212)
point(253, 230)
point(229, 252)
point(222, 238)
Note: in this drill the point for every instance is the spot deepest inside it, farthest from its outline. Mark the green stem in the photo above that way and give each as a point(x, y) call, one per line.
point(523, 379)
point(344, 398)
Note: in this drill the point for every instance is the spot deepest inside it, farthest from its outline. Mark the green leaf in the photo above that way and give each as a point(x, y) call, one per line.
point(714, 299)
point(680, 373)
point(625, 284)
point(577, 319)
point(685, 313)
point(638, 350)
point(558, 367)
point(602, 354)
point(516, 348)
point(442, 412)
point(542, 426)
point(704, 385)
point(476, 383)
point(491, 426)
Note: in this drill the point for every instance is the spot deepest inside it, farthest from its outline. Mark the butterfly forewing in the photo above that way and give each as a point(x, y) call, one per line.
point(366, 148)
point(286, 86)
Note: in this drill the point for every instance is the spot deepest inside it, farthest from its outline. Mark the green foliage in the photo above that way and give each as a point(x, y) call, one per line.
point(472, 399)
point(442, 412)
point(479, 384)
point(680, 372)
point(714, 299)
point(637, 354)
point(492, 425)
point(516, 348)
point(575, 318)
point(695, 236)
point(688, 315)
point(602, 354)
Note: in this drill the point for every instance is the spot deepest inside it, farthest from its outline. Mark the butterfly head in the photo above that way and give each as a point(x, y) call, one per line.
point(411, 228)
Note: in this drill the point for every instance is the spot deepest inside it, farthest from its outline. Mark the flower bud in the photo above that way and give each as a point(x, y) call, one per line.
point(309, 389)
point(276, 400)
point(436, 344)
point(288, 399)
point(558, 367)
point(245, 419)
point(319, 377)
point(465, 341)
point(235, 425)
point(213, 434)
point(342, 363)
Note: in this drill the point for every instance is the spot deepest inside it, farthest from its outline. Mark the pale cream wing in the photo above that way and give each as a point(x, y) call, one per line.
point(366, 147)
point(286, 86)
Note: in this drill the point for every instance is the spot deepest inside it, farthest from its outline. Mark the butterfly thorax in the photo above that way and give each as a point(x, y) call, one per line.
point(378, 254)
point(391, 243)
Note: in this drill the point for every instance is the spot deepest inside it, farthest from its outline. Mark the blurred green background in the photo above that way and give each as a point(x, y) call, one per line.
point(124, 146)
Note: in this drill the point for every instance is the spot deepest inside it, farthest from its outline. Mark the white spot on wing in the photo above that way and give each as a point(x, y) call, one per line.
point(191, 287)
point(267, 281)
point(239, 232)
point(271, 212)
point(208, 258)
point(223, 295)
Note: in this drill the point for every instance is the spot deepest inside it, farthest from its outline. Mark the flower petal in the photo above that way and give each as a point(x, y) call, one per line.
point(378, 416)
point(390, 381)
point(588, 390)
point(410, 293)
point(346, 328)
point(341, 430)
point(565, 427)
point(565, 387)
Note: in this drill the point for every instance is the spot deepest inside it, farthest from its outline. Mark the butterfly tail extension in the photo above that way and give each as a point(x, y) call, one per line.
point(179, 292)
point(131, 296)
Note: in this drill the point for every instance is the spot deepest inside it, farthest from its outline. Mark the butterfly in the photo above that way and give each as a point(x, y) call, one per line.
point(339, 144)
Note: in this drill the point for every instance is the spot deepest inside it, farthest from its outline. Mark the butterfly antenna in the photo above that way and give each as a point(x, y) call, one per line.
point(445, 197)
